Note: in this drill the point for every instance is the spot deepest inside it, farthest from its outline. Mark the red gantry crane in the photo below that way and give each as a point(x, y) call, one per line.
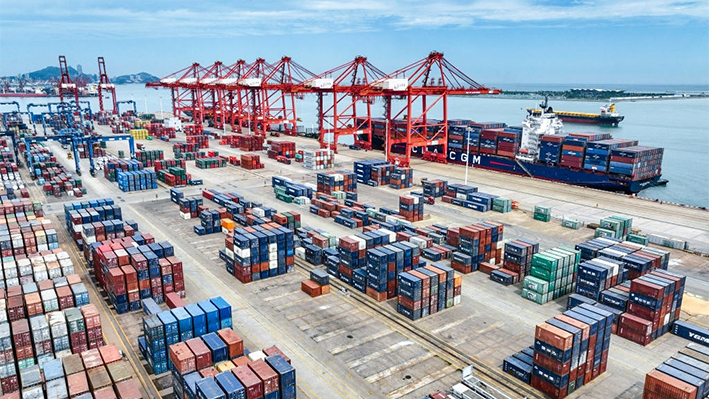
point(231, 96)
point(339, 117)
point(66, 84)
point(207, 92)
point(429, 83)
point(184, 91)
point(272, 91)
point(104, 84)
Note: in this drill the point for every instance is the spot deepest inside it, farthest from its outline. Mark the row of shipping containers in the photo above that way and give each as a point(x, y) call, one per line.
point(164, 328)
point(51, 175)
point(683, 376)
point(570, 350)
point(99, 373)
point(129, 264)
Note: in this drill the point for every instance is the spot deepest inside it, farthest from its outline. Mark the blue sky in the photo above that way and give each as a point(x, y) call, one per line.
point(497, 41)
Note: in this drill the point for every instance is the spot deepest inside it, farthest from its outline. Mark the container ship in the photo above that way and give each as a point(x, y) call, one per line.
point(608, 115)
point(539, 149)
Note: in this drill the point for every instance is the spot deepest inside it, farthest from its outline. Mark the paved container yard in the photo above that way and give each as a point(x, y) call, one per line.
point(345, 345)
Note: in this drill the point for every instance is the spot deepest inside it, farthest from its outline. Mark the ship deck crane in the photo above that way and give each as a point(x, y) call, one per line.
point(104, 84)
point(66, 84)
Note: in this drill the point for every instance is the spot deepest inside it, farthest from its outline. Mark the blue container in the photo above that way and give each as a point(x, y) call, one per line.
point(286, 372)
point(233, 389)
point(216, 346)
point(199, 319)
point(691, 332)
point(189, 384)
point(169, 322)
point(213, 324)
point(518, 369)
point(223, 307)
point(53, 370)
point(207, 388)
point(319, 277)
point(184, 323)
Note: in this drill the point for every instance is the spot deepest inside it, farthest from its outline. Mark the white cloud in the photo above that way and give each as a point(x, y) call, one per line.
point(213, 19)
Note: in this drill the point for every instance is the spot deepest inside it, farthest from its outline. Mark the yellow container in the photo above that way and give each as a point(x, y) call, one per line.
point(224, 366)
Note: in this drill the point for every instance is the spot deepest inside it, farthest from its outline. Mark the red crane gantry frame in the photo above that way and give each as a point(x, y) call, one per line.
point(184, 91)
point(346, 86)
point(105, 84)
point(260, 94)
point(430, 81)
point(65, 84)
point(272, 90)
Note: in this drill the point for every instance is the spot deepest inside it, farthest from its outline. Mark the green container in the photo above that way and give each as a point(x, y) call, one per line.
point(577, 257)
point(542, 217)
point(545, 261)
point(535, 296)
point(542, 274)
point(638, 239)
point(601, 232)
point(121, 154)
point(74, 320)
point(544, 210)
point(285, 198)
point(535, 284)
point(571, 223)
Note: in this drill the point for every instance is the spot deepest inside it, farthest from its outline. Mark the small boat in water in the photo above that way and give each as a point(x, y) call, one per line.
point(608, 115)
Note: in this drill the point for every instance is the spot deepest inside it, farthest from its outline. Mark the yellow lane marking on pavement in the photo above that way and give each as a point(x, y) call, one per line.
point(379, 353)
point(421, 382)
point(327, 320)
point(316, 310)
point(271, 298)
point(358, 342)
point(453, 324)
point(393, 369)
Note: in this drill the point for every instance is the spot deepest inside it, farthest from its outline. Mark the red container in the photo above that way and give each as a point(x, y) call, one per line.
point(548, 389)
point(251, 382)
point(77, 384)
point(128, 389)
point(182, 358)
point(21, 333)
point(554, 336)
point(174, 301)
point(647, 289)
point(635, 324)
point(234, 343)
point(665, 386)
point(109, 354)
point(266, 374)
point(202, 355)
point(92, 359)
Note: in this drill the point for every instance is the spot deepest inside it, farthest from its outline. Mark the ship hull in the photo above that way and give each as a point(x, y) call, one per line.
point(577, 177)
point(591, 120)
point(21, 95)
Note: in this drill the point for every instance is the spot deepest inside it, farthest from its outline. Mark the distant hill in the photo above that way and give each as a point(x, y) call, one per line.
point(52, 72)
point(142, 77)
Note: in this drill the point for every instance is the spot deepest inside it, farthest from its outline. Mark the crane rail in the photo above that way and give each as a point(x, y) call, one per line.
point(496, 378)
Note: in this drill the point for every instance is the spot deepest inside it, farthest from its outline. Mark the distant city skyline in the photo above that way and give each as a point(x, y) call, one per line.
point(505, 41)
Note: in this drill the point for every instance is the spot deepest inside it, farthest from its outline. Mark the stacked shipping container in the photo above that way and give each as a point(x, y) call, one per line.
point(551, 275)
point(427, 290)
point(683, 376)
point(182, 324)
